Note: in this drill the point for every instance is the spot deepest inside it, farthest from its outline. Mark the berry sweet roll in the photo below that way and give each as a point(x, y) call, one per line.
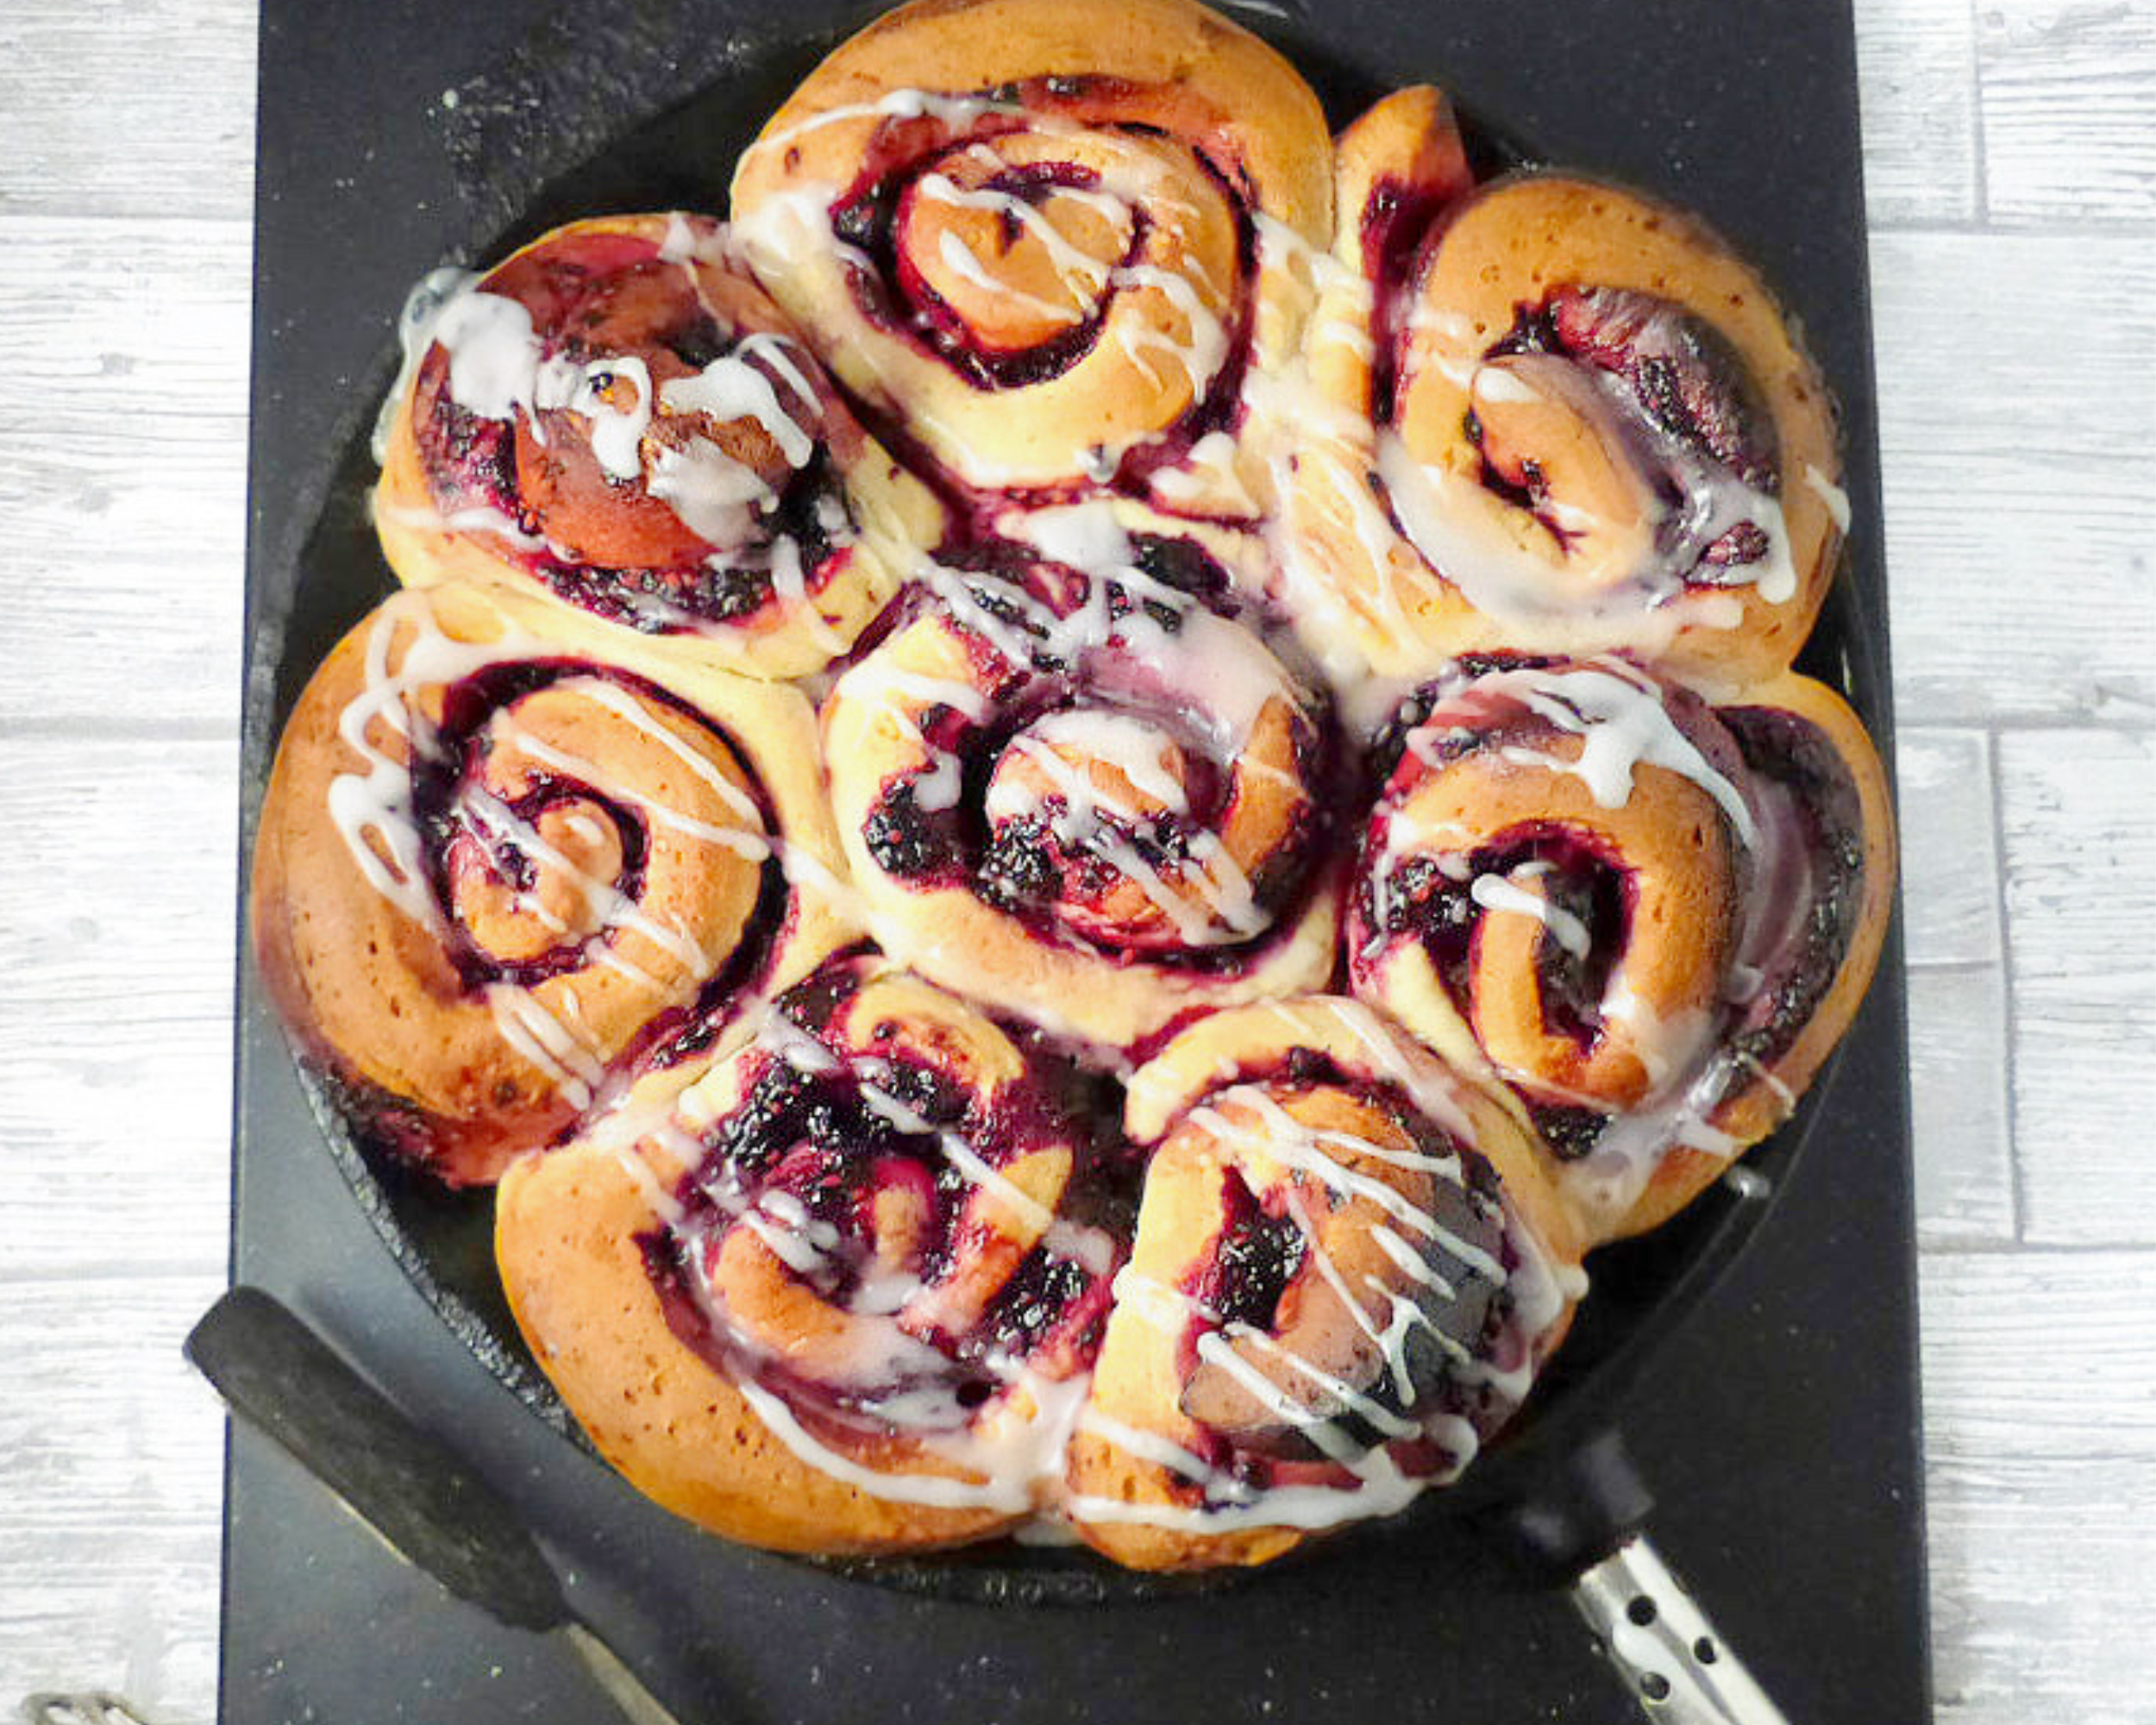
point(617, 419)
point(495, 874)
point(1550, 414)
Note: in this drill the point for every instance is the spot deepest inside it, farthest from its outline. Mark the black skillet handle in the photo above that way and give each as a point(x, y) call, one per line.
point(431, 1506)
point(1583, 1526)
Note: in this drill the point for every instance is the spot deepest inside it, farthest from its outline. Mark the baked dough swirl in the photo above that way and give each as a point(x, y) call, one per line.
point(1051, 242)
point(617, 418)
point(1550, 414)
point(491, 876)
point(839, 1299)
point(1650, 919)
point(1349, 1266)
point(1083, 796)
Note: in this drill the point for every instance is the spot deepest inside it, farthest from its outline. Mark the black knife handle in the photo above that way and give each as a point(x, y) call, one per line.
point(430, 1504)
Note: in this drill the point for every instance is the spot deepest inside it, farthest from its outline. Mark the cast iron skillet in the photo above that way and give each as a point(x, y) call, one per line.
point(1557, 1489)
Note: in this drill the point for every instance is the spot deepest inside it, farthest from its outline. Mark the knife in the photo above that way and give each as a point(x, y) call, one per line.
point(427, 1503)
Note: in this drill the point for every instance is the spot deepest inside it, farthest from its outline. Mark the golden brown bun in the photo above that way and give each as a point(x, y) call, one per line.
point(1500, 837)
point(1452, 412)
point(1346, 1148)
point(608, 538)
point(392, 945)
point(566, 1228)
point(1092, 309)
point(1107, 955)
point(691, 1419)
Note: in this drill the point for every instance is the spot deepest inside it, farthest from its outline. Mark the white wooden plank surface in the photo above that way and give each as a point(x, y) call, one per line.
point(1948, 845)
point(2010, 156)
point(2069, 110)
point(2040, 1423)
point(1957, 1105)
point(94, 931)
point(126, 343)
point(2079, 813)
point(133, 108)
point(114, 1452)
point(1916, 63)
point(2020, 473)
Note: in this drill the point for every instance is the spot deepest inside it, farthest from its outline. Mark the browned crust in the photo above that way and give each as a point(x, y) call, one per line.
point(1136, 1381)
point(897, 513)
point(1264, 119)
point(1508, 242)
point(566, 1228)
point(1762, 1106)
point(1520, 236)
point(959, 939)
point(1154, 84)
point(372, 997)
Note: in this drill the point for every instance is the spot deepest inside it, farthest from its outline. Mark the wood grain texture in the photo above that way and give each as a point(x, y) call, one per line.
point(2078, 813)
point(114, 1466)
point(2041, 1422)
point(2020, 473)
point(122, 466)
point(1957, 1106)
point(128, 108)
point(1949, 856)
point(2068, 94)
point(1916, 77)
point(116, 1044)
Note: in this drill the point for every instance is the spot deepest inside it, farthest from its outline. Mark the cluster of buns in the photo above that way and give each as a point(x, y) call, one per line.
point(1068, 812)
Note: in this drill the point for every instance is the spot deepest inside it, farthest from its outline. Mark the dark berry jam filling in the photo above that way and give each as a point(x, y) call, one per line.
point(1024, 865)
point(1825, 817)
point(445, 771)
point(843, 1138)
point(1255, 1255)
point(891, 292)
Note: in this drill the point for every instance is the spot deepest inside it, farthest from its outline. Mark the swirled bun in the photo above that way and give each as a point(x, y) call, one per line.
point(1054, 241)
point(615, 419)
point(829, 1301)
point(1349, 1263)
point(1086, 798)
point(490, 875)
point(1552, 415)
point(1649, 919)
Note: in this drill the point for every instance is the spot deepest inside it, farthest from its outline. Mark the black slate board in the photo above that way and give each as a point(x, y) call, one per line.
point(1779, 1427)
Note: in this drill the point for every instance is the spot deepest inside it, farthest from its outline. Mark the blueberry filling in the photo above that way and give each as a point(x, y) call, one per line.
point(893, 293)
point(672, 601)
point(1266, 1274)
point(830, 1148)
point(1255, 1257)
point(1024, 865)
point(890, 293)
point(1674, 395)
point(1787, 751)
point(441, 778)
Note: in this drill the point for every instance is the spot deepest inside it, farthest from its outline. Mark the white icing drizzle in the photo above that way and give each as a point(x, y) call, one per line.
point(715, 497)
point(1835, 499)
point(957, 112)
point(1446, 517)
point(1196, 677)
point(1498, 893)
point(616, 432)
point(730, 388)
point(1623, 726)
point(386, 727)
point(958, 257)
point(527, 1026)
